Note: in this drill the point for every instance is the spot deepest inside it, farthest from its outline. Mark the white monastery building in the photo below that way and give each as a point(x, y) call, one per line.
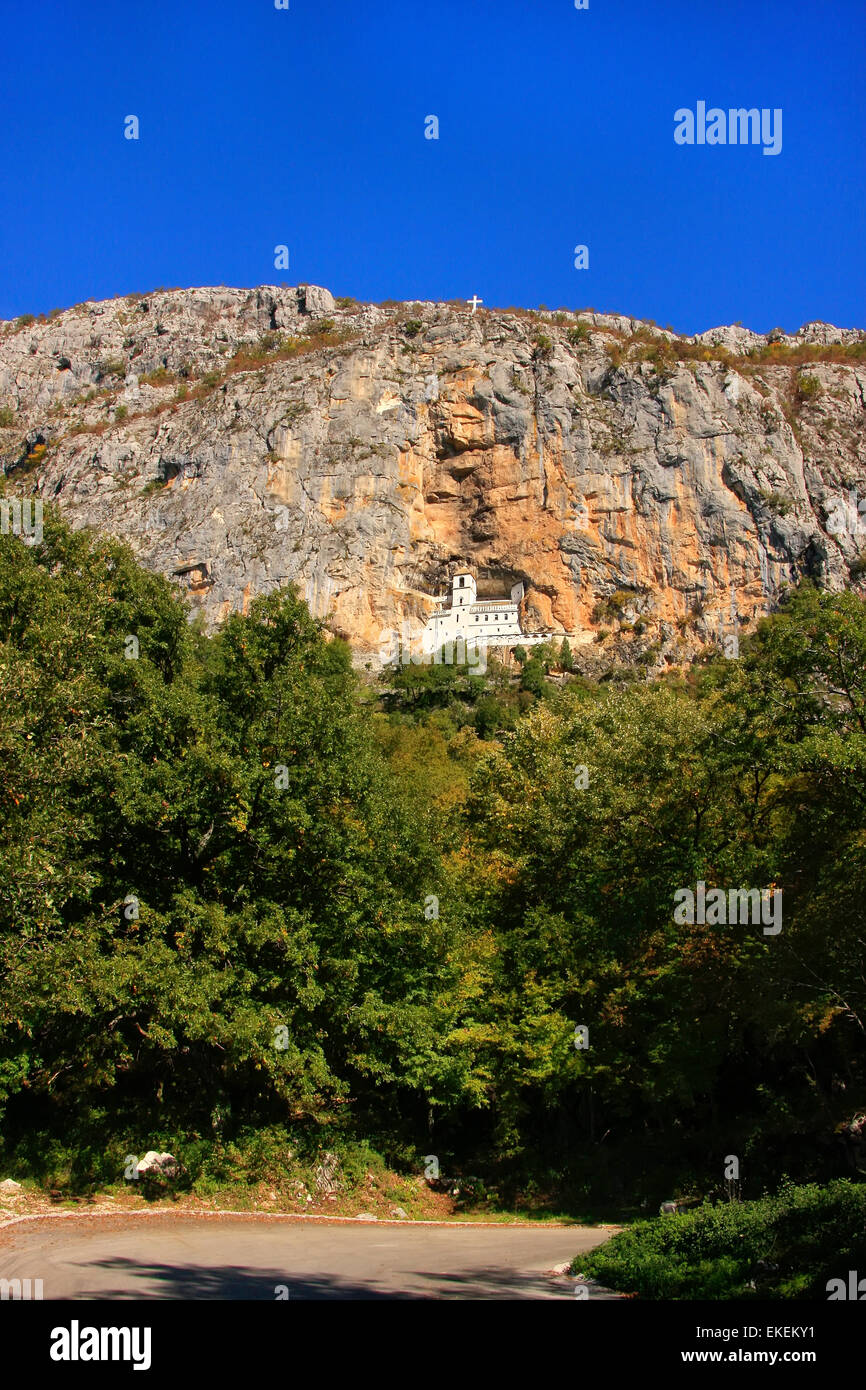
point(491, 622)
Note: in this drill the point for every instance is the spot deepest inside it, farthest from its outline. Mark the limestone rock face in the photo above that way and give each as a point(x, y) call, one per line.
point(242, 439)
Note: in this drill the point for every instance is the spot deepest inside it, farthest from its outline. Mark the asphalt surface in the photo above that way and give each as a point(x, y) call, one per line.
point(175, 1257)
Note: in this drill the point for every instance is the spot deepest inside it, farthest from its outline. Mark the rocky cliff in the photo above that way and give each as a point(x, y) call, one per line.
point(650, 491)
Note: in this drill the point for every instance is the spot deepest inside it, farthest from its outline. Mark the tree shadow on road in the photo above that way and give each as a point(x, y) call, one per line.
point(152, 1280)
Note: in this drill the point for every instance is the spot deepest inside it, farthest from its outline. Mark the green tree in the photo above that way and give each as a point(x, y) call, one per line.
point(532, 677)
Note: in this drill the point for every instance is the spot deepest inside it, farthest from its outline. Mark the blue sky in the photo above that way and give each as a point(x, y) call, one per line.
point(305, 127)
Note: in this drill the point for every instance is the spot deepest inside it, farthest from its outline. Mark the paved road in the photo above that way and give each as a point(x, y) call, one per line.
point(236, 1258)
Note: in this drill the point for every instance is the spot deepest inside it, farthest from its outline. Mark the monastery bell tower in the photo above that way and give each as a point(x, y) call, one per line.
point(462, 589)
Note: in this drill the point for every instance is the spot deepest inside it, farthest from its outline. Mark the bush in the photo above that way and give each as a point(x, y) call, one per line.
point(161, 377)
point(267, 343)
point(543, 348)
point(808, 388)
point(578, 333)
point(788, 1245)
point(612, 606)
point(648, 657)
point(770, 417)
point(532, 677)
point(114, 366)
point(7, 417)
point(490, 714)
point(778, 502)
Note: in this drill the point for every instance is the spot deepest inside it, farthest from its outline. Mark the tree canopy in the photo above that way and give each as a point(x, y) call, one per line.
point(237, 897)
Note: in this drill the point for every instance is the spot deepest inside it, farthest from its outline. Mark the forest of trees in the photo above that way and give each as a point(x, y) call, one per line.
point(248, 892)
